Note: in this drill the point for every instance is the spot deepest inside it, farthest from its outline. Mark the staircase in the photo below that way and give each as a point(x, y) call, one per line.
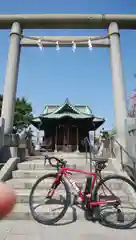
point(27, 173)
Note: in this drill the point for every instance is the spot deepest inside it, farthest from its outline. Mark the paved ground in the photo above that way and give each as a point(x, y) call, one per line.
point(79, 230)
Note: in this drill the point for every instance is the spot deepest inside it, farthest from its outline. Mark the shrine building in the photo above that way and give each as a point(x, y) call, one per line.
point(65, 126)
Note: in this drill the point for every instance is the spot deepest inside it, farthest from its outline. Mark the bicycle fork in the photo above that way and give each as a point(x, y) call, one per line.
point(53, 187)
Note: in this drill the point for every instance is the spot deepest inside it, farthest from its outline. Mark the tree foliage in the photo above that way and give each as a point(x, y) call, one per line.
point(112, 132)
point(132, 105)
point(23, 112)
point(131, 108)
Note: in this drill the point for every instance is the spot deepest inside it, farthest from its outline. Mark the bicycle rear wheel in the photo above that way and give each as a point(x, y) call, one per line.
point(121, 190)
point(40, 203)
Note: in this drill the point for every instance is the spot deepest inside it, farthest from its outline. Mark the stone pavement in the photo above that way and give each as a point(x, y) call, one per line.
point(79, 230)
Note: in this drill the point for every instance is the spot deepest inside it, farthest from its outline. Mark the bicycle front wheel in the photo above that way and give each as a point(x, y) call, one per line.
point(48, 210)
point(119, 195)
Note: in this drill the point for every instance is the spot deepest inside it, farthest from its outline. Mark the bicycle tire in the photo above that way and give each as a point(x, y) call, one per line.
point(95, 198)
point(66, 205)
point(130, 172)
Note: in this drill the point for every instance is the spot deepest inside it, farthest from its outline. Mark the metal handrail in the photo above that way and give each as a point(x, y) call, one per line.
point(122, 149)
point(87, 145)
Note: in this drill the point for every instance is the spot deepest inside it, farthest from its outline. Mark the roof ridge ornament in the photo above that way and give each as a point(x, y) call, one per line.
point(57, 46)
point(67, 100)
point(90, 44)
point(39, 43)
point(73, 46)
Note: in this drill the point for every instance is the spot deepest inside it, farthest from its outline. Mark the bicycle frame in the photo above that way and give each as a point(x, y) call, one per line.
point(66, 172)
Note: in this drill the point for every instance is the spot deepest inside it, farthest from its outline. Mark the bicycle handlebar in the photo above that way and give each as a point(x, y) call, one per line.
point(59, 163)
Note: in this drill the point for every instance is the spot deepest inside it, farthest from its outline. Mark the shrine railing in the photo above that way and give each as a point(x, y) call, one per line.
point(129, 167)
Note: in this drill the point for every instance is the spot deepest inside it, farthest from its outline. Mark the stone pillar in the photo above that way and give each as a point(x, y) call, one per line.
point(77, 137)
point(10, 87)
point(68, 136)
point(2, 122)
point(120, 104)
point(11, 143)
point(56, 139)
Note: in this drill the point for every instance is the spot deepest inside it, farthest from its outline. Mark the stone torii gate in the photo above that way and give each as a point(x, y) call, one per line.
point(112, 22)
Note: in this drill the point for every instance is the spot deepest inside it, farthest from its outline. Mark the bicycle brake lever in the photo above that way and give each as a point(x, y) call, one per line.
point(45, 159)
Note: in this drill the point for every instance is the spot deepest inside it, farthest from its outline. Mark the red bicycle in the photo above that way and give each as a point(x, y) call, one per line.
point(105, 205)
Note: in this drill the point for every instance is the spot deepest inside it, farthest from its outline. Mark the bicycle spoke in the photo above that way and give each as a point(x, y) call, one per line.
point(51, 208)
point(120, 213)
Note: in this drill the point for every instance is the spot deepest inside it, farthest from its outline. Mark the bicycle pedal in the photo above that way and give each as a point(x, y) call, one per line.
point(120, 216)
point(89, 215)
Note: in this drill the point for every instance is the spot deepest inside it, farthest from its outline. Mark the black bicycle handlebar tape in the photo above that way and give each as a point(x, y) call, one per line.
point(59, 162)
point(54, 158)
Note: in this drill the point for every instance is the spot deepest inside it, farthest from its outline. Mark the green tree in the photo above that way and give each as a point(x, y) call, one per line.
point(112, 132)
point(23, 112)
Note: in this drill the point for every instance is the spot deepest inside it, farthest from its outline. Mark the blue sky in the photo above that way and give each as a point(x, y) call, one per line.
point(48, 77)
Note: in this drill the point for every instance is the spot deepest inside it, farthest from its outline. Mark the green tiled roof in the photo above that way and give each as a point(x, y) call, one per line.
point(55, 108)
point(67, 110)
point(67, 114)
point(79, 116)
point(49, 109)
point(84, 109)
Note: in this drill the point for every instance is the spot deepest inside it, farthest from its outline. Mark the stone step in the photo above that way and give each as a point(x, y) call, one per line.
point(23, 195)
point(60, 155)
point(28, 183)
point(65, 154)
point(31, 173)
point(38, 164)
point(21, 211)
point(39, 173)
point(71, 158)
point(79, 159)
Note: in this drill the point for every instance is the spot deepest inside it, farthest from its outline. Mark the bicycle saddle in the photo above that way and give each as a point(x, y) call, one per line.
point(100, 160)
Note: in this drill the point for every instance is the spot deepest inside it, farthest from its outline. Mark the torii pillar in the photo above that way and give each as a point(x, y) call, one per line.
point(10, 86)
point(119, 94)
